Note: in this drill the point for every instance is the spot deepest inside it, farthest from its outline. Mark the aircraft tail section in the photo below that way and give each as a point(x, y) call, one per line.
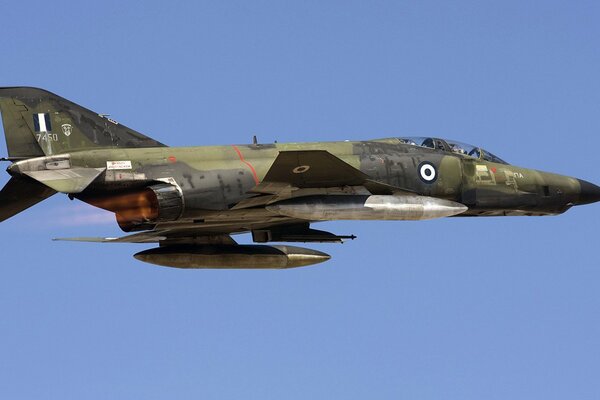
point(19, 194)
point(37, 123)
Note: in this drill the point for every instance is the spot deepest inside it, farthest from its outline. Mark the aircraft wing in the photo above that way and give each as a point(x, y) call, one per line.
point(309, 173)
point(311, 169)
point(213, 232)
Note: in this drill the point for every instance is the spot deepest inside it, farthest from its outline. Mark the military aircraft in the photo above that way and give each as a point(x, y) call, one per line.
point(191, 200)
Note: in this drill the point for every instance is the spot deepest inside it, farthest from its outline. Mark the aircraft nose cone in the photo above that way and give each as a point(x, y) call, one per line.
point(589, 193)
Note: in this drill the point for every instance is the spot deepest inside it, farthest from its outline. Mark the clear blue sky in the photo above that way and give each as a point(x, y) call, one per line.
point(498, 308)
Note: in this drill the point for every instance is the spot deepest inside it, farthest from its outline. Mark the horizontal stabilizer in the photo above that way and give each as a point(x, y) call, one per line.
point(19, 194)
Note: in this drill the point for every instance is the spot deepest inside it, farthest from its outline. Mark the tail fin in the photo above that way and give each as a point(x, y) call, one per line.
point(37, 123)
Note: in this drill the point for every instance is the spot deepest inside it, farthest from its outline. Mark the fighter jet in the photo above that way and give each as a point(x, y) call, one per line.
point(190, 201)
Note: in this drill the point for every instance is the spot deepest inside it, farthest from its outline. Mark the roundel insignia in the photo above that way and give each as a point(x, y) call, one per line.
point(301, 169)
point(427, 172)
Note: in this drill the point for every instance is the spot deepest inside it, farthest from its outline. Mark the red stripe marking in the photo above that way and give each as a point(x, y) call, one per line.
point(239, 153)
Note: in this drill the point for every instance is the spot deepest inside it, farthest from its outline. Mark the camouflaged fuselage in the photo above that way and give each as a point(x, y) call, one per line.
point(218, 177)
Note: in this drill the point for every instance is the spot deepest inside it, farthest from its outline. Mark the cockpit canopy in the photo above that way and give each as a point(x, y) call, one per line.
point(452, 146)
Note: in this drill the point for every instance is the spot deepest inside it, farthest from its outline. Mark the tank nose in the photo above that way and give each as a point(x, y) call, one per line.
point(589, 193)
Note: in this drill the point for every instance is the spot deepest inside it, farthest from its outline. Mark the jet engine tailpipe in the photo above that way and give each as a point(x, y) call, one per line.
point(156, 203)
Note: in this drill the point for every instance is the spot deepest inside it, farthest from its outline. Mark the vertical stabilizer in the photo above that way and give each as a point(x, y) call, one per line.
point(37, 122)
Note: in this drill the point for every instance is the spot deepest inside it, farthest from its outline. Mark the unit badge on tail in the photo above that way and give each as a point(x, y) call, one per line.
point(67, 129)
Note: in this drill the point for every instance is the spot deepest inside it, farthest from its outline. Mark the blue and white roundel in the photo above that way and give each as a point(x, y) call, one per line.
point(427, 172)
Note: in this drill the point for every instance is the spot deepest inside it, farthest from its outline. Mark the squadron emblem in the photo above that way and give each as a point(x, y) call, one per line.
point(67, 129)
